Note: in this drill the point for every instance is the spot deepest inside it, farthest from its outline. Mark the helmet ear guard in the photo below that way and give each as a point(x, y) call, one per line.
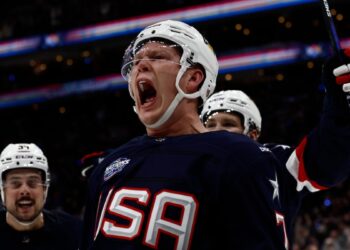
point(233, 101)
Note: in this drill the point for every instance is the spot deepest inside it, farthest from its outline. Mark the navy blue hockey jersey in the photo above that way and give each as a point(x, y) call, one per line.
point(310, 167)
point(234, 192)
point(213, 190)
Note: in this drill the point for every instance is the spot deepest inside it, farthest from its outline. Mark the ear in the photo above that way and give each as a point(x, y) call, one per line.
point(194, 78)
point(254, 134)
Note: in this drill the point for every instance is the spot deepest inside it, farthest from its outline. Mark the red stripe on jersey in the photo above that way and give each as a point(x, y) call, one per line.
point(302, 175)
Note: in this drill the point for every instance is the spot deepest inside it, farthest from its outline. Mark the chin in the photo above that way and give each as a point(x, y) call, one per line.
point(148, 118)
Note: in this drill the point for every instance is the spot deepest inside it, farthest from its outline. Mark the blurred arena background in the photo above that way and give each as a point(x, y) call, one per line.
point(61, 86)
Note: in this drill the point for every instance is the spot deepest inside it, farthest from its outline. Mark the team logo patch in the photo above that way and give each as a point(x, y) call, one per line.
point(115, 167)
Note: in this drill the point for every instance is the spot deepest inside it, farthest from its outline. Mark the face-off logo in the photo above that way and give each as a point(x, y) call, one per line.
point(115, 167)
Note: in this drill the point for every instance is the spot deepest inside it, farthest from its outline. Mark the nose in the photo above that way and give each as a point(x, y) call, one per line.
point(143, 65)
point(219, 127)
point(24, 190)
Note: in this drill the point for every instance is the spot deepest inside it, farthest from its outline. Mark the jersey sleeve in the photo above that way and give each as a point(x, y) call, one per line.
point(322, 159)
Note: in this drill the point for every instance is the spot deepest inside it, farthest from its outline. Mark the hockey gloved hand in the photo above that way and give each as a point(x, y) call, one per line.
point(342, 73)
point(336, 78)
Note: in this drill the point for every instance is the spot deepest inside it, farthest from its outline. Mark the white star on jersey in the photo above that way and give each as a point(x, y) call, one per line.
point(274, 184)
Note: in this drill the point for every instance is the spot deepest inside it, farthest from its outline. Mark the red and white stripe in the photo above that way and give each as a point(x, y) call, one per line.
point(296, 168)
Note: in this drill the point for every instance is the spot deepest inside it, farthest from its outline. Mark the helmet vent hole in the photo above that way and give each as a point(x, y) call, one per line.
point(153, 31)
point(17, 163)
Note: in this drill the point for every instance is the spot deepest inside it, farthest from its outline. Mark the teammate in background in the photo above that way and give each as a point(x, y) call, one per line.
point(24, 224)
point(179, 187)
point(236, 112)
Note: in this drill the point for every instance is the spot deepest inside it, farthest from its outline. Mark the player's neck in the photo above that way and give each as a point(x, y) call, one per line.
point(37, 223)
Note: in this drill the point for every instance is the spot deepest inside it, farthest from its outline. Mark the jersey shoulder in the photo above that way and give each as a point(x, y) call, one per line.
point(281, 151)
point(234, 144)
point(240, 154)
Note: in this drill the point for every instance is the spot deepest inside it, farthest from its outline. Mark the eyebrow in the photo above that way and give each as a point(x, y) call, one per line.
point(16, 177)
point(153, 51)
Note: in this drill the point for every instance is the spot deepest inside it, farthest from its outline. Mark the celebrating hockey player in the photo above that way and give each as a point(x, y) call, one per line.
point(24, 223)
point(179, 186)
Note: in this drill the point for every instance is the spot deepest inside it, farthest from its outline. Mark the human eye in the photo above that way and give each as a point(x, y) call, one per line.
point(34, 183)
point(210, 125)
point(229, 124)
point(14, 184)
point(156, 57)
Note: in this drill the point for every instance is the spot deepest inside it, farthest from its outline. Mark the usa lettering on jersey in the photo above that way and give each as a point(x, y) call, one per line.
point(157, 224)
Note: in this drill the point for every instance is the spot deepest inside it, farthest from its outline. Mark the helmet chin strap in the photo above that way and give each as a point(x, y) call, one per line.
point(170, 110)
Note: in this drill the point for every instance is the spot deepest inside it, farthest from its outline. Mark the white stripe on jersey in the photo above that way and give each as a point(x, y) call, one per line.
point(293, 166)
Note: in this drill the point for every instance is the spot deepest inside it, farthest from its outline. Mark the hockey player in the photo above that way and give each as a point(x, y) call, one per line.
point(179, 187)
point(24, 224)
point(234, 111)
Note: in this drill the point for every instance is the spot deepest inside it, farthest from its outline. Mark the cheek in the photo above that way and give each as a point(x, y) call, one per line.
point(212, 128)
point(10, 198)
point(131, 86)
point(167, 72)
point(166, 86)
point(236, 130)
point(39, 194)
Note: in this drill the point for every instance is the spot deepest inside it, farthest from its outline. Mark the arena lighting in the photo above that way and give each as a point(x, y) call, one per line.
point(260, 59)
point(19, 46)
point(52, 91)
point(230, 63)
point(264, 58)
point(198, 13)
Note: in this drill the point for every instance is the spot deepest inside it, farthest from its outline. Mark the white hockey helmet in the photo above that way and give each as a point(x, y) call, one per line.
point(23, 155)
point(196, 50)
point(233, 101)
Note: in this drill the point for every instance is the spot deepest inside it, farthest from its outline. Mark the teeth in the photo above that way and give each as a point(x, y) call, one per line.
point(25, 202)
point(142, 87)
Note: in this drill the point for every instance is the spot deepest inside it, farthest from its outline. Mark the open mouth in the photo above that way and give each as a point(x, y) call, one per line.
point(25, 203)
point(147, 92)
